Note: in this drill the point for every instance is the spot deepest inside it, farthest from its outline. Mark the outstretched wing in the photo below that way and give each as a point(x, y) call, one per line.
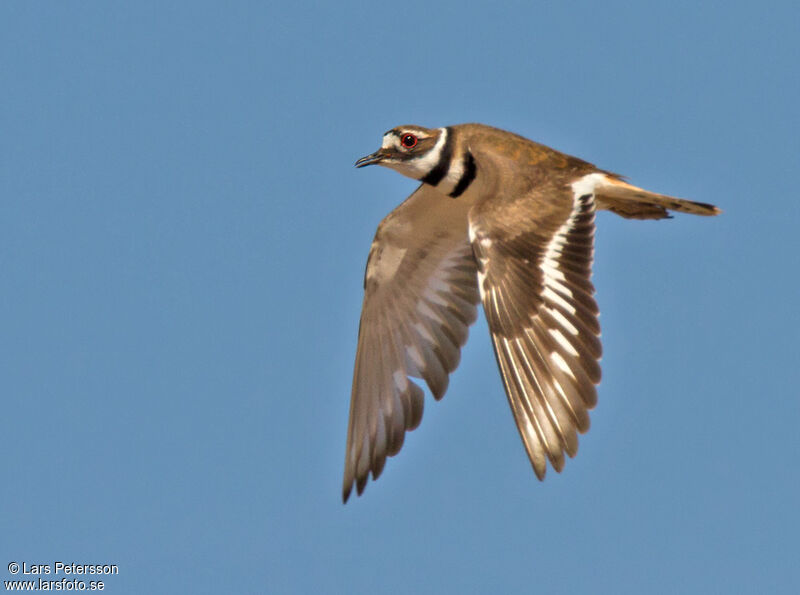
point(534, 256)
point(420, 296)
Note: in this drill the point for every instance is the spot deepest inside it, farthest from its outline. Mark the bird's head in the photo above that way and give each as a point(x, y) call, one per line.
point(413, 151)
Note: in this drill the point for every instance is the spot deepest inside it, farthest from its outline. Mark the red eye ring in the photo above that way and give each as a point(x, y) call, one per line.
point(409, 141)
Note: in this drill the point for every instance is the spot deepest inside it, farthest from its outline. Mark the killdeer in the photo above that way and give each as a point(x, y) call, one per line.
point(505, 221)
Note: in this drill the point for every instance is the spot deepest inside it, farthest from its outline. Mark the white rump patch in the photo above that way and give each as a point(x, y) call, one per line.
point(588, 183)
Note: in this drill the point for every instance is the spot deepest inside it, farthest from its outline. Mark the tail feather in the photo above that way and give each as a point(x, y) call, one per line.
point(633, 202)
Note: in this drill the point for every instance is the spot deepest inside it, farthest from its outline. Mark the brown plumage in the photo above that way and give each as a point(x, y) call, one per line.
point(502, 220)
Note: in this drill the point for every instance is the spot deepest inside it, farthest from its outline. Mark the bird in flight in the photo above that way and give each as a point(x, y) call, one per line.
point(505, 221)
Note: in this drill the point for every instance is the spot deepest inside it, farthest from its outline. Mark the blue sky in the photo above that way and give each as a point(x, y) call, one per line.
point(182, 243)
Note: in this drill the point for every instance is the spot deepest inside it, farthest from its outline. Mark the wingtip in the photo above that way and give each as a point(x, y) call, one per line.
point(346, 489)
point(708, 209)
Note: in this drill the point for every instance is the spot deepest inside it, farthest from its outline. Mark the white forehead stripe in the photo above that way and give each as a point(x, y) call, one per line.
point(389, 140)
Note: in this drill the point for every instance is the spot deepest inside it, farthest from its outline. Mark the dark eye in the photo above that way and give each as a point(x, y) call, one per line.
point(408, 141)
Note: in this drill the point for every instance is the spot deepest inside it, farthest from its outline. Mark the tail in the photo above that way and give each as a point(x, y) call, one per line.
point(632, 202)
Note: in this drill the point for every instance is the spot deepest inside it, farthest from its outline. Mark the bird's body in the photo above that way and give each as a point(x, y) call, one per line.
point(502, 220)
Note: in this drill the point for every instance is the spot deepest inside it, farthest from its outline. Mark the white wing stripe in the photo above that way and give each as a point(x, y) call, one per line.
point(400, 380)
point(550, 267)
point(424, 332)
point(562, 364)
point(553, 296)
point(418, 363)
point(424, 309)
point(562, 340)
point(568, 326)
